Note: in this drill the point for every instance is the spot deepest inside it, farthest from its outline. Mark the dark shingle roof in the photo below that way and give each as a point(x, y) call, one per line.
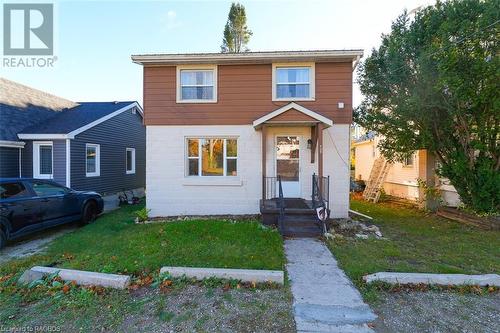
point(69, 120)
point(22, 106)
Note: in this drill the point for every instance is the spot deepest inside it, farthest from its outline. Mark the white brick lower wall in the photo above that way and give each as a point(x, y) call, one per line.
point(170, 193)
point(336, 165)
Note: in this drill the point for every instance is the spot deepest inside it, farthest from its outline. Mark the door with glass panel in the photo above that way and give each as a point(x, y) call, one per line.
point(288, 164)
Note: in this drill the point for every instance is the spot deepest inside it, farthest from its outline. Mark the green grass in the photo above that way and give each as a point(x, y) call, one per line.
point(114, 244)
point(417, 242)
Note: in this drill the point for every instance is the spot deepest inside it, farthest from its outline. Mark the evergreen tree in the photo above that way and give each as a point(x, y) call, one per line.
point(236, 32)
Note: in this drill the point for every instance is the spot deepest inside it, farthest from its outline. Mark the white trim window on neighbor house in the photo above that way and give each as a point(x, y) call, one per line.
point(43, 159)
point(130, 161)
point(92, 160)
point(209, 157)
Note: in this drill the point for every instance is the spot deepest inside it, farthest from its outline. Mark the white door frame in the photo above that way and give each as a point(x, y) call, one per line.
point(275, 144)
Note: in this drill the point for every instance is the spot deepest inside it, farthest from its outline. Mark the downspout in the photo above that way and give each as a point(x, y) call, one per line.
point(20, 163)
point(356, 62)
point(68, 162)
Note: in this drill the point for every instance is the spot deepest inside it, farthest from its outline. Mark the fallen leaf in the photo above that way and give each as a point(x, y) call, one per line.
point(65, 289)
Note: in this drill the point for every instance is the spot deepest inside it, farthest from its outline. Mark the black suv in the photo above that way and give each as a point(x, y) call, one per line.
point(30, 205)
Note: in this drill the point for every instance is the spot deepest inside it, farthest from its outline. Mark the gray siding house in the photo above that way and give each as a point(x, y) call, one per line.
point(98, 146)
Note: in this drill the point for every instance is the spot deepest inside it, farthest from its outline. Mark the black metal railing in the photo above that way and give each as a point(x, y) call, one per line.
point(321, 199)
point(281, 206)
point(269, 188)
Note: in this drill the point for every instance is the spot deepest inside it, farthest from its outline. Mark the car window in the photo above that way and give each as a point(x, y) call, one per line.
point(43, 189)
point(12, 190)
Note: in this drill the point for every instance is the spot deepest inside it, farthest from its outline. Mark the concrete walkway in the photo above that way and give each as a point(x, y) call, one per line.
point(324, 299)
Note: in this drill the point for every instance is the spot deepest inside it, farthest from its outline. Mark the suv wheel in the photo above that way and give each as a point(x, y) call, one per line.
point(3, 238)
point(89, 213)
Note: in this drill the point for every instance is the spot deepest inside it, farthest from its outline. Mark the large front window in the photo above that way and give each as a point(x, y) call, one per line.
point(197, 85)
point(293, 82)
point(212, 157)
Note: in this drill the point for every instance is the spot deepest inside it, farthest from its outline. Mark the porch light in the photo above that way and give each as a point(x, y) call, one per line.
point(309, 144)
point(340, 105)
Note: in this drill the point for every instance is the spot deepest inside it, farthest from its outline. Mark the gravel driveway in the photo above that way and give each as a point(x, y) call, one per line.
point(33, 244)
point(437, 312)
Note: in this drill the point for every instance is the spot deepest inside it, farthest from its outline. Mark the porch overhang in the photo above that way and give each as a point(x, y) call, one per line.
point(292, 114)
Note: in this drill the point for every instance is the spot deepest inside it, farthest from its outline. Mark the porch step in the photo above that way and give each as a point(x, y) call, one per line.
point(300, 226)
point(298, 220)
point(310, 231)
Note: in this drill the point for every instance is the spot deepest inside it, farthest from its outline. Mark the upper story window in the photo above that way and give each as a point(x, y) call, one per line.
point(293, 82)
point(197, 84)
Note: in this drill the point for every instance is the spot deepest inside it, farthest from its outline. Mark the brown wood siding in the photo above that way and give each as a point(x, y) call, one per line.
point(244, 94)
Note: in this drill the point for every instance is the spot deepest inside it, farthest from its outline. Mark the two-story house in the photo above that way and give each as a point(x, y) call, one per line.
point(222, 127)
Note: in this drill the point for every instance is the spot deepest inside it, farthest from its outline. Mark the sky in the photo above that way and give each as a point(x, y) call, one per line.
point(95, 39)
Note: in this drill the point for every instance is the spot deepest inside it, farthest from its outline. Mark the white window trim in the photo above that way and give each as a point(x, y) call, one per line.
point(36, 159)
point(130, 172)
point(405, 165)
point(196, 67)
point(199, 157)
point(97, 172)
point(312, 78)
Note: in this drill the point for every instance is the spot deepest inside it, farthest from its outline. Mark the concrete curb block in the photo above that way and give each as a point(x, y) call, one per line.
point(440, 279)
point(246, 275)
point(80, 277)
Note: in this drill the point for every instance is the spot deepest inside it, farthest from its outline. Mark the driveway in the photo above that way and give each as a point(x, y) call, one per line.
point(35, 243)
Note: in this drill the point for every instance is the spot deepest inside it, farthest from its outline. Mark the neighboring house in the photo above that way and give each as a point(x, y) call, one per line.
point(401, 179)
point(97, 146)
point(221, 126)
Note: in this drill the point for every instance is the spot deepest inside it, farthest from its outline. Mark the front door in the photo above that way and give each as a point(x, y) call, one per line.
point(288, 164)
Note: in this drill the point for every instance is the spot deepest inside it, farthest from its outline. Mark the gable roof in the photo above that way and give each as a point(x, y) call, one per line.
point(22, 106)
point(314, 115)
point(248, 57)
point(71, 122)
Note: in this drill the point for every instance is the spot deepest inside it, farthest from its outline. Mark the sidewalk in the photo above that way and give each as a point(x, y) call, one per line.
point(324, 299)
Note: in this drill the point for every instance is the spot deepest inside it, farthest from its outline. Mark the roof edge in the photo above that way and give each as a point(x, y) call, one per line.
point(247, 57)
point(258, 122)
point(72, 134)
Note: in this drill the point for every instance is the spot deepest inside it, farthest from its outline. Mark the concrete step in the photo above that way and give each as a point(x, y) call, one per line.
point(334, 314)
point(307, 327)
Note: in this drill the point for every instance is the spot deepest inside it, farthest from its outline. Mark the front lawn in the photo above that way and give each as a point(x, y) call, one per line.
point(114, 244)
point(416, 242)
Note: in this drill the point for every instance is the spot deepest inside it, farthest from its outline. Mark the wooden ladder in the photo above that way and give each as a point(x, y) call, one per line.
point(378, 174)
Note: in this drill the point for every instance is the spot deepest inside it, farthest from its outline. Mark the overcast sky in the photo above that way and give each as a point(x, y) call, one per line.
point(95, 39)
